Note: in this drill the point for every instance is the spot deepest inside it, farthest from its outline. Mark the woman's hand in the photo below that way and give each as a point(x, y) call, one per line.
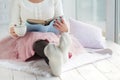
point(61, 25)
point(12, 32)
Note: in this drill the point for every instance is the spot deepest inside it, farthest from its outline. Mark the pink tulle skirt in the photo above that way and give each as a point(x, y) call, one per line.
point(21, 48)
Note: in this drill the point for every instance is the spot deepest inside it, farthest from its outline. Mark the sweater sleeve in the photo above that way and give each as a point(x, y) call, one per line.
point(16, 19)
point(15, 13)
point(58, 8)
point(59, 11)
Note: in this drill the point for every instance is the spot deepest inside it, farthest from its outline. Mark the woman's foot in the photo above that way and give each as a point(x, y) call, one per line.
point(58, 55)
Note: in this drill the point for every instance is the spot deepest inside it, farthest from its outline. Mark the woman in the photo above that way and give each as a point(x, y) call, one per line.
point(41, 10)
point(45, 44)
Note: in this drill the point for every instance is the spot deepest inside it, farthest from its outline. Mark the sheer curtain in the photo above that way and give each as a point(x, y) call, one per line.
point(102, 13)
point(92, 11)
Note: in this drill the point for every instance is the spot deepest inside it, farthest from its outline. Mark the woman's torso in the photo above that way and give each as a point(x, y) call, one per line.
point(43, 10)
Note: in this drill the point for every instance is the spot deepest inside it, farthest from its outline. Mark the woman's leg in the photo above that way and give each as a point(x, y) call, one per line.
point(58, 55)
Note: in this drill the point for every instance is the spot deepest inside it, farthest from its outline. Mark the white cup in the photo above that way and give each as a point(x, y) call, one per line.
point(20, 30)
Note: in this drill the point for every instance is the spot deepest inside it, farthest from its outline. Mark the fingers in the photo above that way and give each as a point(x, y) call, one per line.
point(12, 32)
point(62, 20)
point(15, 35)
point(60, 24)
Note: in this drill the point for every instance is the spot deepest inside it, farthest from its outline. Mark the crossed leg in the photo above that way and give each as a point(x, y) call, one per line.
point(58, 55)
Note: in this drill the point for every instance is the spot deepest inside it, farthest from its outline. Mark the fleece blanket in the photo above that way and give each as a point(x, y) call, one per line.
point(39, 67)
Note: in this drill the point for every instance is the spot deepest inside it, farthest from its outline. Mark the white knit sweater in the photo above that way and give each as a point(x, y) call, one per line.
point(24, 9)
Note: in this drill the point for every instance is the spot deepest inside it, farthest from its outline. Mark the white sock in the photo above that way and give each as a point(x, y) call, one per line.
point(55, 57)
point(64, 45)
point(58, 55)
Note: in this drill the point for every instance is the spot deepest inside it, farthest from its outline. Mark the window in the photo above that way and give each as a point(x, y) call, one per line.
point(102, 13)
point(92, 11)
point(117, 19)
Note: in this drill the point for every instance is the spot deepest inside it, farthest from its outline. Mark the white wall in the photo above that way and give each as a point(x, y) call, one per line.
point(4, 17)
point(4, 11)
